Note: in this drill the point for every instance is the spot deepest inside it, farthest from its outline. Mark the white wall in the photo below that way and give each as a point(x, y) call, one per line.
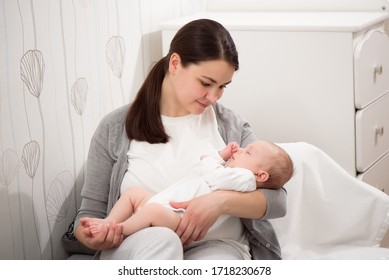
point(300, 5)
point(63, 65)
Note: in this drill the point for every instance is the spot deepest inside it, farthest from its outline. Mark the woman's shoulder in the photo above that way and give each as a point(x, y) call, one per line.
point(116, 116)
point(225, 116)
point(232, 127)
point(113, 123)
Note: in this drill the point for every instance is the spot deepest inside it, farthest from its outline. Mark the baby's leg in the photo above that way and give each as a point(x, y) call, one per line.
point(129, 201)
point(126, 206)
point(152, 214)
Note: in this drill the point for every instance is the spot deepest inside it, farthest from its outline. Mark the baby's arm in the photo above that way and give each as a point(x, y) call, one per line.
point(219, 177)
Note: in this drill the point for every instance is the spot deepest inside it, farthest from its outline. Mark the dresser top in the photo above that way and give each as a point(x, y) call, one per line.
point(287, 21)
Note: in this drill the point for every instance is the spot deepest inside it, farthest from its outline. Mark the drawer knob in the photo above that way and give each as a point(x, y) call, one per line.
point(377, 71)
point(379, 130)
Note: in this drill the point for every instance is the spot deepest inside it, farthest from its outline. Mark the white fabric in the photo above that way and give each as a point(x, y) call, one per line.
point(157, 166)
point(331, 215)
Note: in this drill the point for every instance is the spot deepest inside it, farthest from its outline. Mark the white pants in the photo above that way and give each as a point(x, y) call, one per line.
point(158, 243)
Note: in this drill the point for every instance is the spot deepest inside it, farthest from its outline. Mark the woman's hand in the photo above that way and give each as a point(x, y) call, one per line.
point(110, 236)
point(200, 214)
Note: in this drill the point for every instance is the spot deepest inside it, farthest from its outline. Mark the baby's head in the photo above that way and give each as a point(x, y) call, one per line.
point(271, 165)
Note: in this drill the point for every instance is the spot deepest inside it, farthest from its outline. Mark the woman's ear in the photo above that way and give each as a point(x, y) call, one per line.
point(261, 176)
point(174, 62)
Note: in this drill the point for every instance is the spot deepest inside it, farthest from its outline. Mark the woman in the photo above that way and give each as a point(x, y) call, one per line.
point(158, 139)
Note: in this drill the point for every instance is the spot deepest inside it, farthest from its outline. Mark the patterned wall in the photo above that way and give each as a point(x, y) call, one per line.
point(64, 64)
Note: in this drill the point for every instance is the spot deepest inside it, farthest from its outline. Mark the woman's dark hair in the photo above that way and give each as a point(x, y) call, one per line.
point(197, 41)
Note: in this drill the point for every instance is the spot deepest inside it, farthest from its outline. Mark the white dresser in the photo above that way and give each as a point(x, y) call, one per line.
point(321, 78)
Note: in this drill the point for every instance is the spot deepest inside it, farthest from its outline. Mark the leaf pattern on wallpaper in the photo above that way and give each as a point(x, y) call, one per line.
point(59, 197)
point(30, 157)
point(32, 68)
point(115, 54)
point(9, 163)
point(79, 94)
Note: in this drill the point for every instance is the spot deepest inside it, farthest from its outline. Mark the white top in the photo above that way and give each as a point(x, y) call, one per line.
point(286, 21)
point(157, 166)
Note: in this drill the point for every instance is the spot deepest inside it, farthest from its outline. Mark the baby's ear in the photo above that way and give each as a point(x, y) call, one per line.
point(261, 176)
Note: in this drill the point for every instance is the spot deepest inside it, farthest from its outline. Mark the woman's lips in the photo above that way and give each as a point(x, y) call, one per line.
point(204, 105)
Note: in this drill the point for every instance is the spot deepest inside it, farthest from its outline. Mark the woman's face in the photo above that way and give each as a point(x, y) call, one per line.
point(197, 86)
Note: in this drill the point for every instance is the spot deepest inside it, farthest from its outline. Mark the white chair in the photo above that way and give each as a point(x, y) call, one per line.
point(331, 215)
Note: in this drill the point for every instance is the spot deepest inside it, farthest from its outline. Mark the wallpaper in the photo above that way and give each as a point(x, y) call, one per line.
point(64, 64)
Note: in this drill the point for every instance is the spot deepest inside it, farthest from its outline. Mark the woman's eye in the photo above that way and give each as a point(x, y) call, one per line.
point(222, 86)
point(205, 84)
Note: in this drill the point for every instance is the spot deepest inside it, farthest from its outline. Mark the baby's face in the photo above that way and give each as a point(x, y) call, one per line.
point(256, 156)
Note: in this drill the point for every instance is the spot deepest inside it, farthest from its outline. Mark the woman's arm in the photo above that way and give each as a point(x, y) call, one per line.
point(97, 186)
point(250, 205)
point(196, 222)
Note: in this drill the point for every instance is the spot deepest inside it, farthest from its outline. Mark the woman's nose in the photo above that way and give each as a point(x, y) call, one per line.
point(214, 95)
point(211, 97)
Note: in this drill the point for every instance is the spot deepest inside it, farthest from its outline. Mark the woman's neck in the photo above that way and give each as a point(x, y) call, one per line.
point(169, 105)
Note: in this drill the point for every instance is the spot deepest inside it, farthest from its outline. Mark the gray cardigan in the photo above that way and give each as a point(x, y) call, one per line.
point(107, 164)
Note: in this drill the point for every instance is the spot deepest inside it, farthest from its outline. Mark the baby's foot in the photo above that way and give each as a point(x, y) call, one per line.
point(95, 225)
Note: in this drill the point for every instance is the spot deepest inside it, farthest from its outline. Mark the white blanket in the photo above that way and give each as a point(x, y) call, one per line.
point(331, 215)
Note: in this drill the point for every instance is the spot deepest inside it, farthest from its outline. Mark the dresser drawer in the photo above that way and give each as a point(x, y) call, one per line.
point(372, 133)
point(378, 175)
point(371, 68)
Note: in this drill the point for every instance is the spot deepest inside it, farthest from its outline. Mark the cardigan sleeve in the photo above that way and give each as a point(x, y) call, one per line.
point(94, 194)
point(100, 166)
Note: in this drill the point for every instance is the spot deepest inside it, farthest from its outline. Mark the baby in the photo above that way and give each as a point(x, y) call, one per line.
point(261, 164)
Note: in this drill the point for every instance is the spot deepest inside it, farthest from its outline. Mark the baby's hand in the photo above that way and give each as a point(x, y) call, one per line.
point(234, 147)
point(229, 150)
